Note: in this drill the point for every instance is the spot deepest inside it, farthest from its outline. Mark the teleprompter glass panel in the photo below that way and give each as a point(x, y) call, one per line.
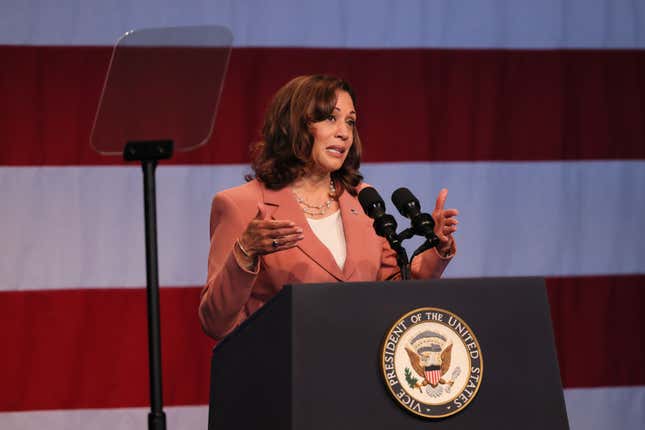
point(162, 84)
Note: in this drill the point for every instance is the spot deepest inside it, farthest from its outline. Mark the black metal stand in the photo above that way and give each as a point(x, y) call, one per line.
point(149, 153)
point(402, 256)
point(402, 262)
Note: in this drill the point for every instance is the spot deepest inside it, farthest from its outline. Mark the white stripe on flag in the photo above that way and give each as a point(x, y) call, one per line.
point(606, 408)
point(588, 409)
point(177, 417)
point(352, 24)
point(82, 227)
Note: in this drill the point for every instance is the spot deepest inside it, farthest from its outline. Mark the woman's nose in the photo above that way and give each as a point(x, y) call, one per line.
point(343, 130)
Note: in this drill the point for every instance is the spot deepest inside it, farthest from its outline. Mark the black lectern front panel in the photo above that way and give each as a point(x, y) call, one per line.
point(337, 332)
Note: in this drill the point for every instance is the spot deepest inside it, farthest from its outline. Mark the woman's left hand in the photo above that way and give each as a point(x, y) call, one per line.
point(445, 223)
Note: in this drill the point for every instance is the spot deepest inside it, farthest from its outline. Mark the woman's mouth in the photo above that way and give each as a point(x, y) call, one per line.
point(335, 151)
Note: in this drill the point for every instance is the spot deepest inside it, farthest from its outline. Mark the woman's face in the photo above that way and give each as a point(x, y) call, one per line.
point(333, 136)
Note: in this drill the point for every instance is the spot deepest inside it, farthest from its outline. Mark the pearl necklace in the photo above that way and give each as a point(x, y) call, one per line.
point(310, 209)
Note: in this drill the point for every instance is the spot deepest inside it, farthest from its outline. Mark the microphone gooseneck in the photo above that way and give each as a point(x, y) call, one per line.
point(384, 225)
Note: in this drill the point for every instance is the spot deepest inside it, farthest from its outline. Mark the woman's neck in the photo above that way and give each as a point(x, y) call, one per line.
point(315, 189)
point(313, 183)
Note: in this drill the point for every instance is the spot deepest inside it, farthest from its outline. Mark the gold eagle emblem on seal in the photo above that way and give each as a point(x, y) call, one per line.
point(432, 362)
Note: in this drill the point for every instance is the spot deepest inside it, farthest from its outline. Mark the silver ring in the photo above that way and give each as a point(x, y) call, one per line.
point(275, 243)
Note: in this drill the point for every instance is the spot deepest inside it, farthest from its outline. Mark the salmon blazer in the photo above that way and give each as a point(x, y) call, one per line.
point(232, 293)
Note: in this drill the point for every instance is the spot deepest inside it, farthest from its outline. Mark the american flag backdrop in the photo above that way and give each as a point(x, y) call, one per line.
point(531, 113)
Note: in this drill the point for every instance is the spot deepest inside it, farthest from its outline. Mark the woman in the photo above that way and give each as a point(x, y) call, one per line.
point(297, 220)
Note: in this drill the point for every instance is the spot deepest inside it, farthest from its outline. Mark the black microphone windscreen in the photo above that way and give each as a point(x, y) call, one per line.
point(402, 198)
point(369, 198)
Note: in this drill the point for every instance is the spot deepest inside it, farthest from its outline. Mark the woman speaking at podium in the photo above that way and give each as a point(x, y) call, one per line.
point(297, 219)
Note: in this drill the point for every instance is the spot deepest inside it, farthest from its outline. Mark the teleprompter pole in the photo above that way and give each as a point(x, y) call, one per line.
point(149, 153)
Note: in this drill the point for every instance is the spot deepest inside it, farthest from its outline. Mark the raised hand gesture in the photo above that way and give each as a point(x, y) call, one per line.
point(265, 236)
point(445, 223)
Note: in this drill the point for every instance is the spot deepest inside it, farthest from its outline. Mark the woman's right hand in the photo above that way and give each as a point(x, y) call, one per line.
point(265, 236)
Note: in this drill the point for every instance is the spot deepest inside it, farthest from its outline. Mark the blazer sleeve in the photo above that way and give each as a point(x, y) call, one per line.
point(427, 265)
point(228, 286)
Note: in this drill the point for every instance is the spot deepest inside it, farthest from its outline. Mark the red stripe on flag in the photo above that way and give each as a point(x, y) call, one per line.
point(599, 329)
point(414, 104)
point(88, 348)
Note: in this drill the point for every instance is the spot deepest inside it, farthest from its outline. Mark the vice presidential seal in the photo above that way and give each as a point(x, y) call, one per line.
point(432, 362)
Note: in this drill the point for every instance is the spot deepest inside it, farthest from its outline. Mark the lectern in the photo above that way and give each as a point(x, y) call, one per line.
point(312, 358)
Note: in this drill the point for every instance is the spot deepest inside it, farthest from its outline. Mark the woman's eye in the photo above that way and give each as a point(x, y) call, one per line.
point(331, 118)
point(351, 123)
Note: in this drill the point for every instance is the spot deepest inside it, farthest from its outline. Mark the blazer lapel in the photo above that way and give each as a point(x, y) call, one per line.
point(350, 211)
point(286, 208)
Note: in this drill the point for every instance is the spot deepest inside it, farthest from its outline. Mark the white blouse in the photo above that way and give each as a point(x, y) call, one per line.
point(329, 231)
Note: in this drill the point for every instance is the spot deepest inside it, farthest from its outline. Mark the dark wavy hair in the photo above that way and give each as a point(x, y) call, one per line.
point(284, 152)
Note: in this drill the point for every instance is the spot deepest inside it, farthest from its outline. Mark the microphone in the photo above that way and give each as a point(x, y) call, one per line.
point(384, 224)
point(409, 207)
